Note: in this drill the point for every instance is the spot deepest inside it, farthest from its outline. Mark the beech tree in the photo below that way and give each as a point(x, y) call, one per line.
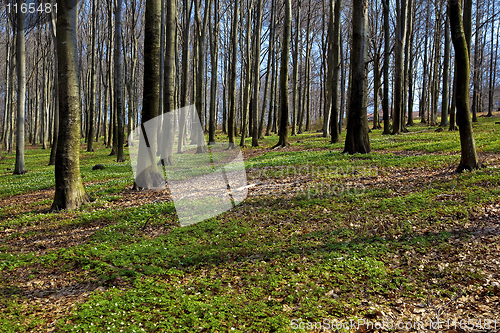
point(120, 117)
point(69, 191)
point(151, 176)
point(387, 36)
point(169, 82)
point(334, 125)
point(469, 160)
point(232, 78)
point(256, 70)
point(357, 140)
point(19, 168)
point(92, 89)
point(285, 60)
point(401, 10)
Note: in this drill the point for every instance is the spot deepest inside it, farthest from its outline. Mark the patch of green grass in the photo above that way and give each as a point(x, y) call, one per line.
point(308, 252)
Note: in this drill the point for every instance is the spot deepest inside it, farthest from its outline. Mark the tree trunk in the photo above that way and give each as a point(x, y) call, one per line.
point(232, 78)
point(8, 82)
point(295, 59)
point(185, 72)
point(245, 85)
point(268, 73)
point(446, 70)
point(55, 134)
point(38, 109)
point(272, 54)
point(256, 86)
point(407, 61)
point(69, 191)
point(495, 66)
point(476, 70)
point(330, 66)
point(398, 67)
point(151, 176)
point(111, 129)
point(92, 89)
point(214, 39)
point(201, 28)
point(410, 81)
point(491, 86)
point(120, 116)
point(469, 158)
point(21, 92)
point(285, 60)
point(376, 89)
point(169, 82)
point(453, 102)
point(387, 37)
point(357, 140)
point(334, 125)
point(342, 85)
point(306, 103)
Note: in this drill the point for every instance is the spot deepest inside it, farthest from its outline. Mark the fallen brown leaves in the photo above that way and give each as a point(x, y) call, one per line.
point(57, 291)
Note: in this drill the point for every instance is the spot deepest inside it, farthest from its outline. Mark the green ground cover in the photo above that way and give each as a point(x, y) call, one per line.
point(322, 236)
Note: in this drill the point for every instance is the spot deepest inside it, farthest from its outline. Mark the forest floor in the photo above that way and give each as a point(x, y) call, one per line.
point(324, 240)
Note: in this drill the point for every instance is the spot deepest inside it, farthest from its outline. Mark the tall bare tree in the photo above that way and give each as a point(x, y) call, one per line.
point(285, 60)
point(120, 112)
point(493, 58)
point(469, 159)
point(169, 81)
point(185, 70)
point(151, 177)
point(69, 191)
point(55, 134)
point(214, 55)
point(295, 60)
point(232, 78)
point(20, 168)
point(334, 125)
point(387, 53)
point(446, 70)
point(399, 66)
point(92, 89)
point(256, 86)
point(357, 140)
point(201, 29)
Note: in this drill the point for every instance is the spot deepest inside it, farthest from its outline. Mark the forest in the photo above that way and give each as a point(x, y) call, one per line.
point(249, 166)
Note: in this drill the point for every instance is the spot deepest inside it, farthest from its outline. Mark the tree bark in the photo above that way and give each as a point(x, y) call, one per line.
point(387, 37)
point(232, 79)
point(270, 54)
point(201, 28)
point(446, 70)
point(398, 67)
point(69, 191)
point(469, 160)
point(334, 125)
point(214, 39)
point(169, 82)
point(285, 60)
point(20, 168)
point(245, 85)
point(120, 112)
point(491, 86)
point(357, 140)
point(256, 86)
point(92, 89)
point(185, 72)
point(408, 60)
point(151, 177)
point(295, 59)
